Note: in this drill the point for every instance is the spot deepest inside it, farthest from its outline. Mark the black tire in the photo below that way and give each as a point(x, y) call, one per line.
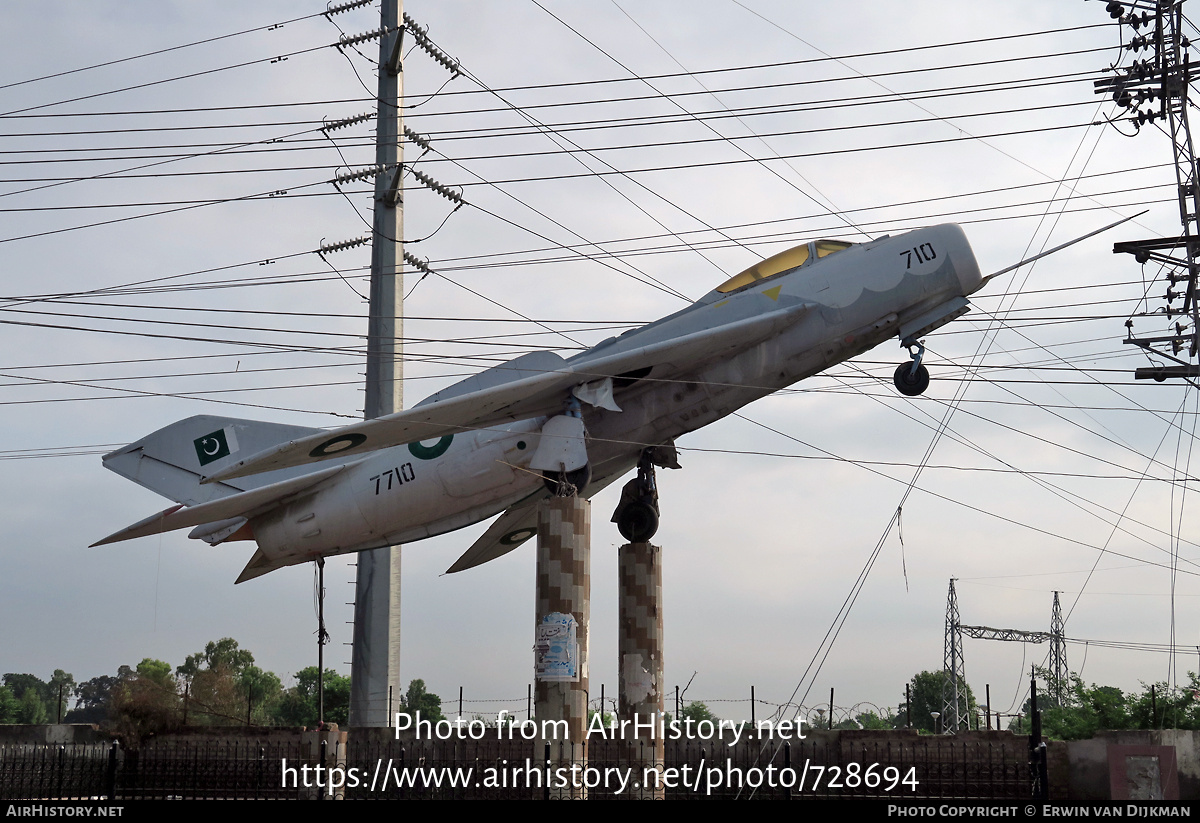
point(638, 522)
point(579, 478)
point(910, 384)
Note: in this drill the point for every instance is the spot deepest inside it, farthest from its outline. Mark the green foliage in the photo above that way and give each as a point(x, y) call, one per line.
point(1086, 710)
point(36, 701)
point(144, 701)
point(871, 720)
point(697, 711)
point(606, 718)
point(32, 710)
point(1167, 708)
point(9, 705)
point(416, 699)
point(92, 700)
point(222, 654)
point(925, 691)
point(298, 705)
point(225, 688)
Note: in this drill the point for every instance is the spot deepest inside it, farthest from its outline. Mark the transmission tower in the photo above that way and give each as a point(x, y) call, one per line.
point(1155, 88)
point(955, 706)
point(1058, 654)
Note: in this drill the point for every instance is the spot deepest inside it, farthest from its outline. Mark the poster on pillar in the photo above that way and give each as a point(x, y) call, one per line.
point(556, 653)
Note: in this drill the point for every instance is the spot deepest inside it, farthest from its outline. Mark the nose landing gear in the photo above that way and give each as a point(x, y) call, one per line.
point(912, 379)
point(637, 514)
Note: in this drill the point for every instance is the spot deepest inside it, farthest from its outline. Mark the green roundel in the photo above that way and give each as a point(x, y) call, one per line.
point(429, 452)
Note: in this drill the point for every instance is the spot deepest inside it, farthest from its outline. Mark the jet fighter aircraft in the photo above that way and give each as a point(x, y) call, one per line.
point(501, 440)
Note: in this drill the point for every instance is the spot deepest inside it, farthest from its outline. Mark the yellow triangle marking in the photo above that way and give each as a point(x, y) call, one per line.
point(773, 293)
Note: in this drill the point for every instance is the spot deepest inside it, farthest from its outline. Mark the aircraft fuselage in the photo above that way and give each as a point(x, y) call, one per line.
point(856, 297)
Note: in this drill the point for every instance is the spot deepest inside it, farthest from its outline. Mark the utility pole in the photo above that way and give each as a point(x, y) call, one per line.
point(1155, 88)
point(375, 664)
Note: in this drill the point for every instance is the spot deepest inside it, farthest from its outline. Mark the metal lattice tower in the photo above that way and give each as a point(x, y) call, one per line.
point(955, 705)
point(1155, 88)
point(1058, 655)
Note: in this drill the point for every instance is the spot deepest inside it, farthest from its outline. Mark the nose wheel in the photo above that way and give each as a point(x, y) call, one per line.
point(912, 378)
point(637, 513)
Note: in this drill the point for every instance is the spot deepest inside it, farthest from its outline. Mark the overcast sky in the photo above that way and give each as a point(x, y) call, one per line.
point(1054, 455)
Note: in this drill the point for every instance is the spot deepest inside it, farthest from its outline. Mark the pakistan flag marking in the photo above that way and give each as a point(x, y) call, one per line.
point(216, 445)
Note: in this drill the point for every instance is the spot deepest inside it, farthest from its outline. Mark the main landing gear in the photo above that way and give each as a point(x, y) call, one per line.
point(912, 378)
point(637, 514)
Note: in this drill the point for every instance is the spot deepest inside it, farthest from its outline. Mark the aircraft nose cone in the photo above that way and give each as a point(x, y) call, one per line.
point(965, 265)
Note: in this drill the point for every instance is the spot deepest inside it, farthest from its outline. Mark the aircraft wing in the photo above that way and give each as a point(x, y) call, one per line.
point(224, 508)
point(520, 399)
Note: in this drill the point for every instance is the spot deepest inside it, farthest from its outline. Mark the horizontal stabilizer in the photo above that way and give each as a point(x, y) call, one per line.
point(518, 524)
point(246, 504)
point(533, 396)
point(513, 528)
point(260, 564)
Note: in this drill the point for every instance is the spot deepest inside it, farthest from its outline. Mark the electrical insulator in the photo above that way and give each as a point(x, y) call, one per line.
point(327, 248)
point(347, 40)
point(353, 4)
point(1171, 295)
point(1114, 9)
point(450, 195)
point(419, 139)
point(417, 263)
point(419, 34)
point(1176, 346)
point(349, 121)
point(352, 176)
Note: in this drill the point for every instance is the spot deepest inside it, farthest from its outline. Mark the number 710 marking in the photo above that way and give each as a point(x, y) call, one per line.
point(924, 253)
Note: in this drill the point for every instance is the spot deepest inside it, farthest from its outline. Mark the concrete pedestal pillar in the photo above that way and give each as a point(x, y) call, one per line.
point(639, 649)
point(564, 592)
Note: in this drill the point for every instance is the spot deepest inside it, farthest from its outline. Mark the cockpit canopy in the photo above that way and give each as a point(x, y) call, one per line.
point(782, 263)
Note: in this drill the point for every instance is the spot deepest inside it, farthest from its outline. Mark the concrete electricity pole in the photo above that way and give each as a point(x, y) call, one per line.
point(375, 665)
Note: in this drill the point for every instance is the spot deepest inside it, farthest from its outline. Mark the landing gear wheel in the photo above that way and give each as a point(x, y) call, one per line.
point(638, 522)
point(908, 383)
point(579, 478)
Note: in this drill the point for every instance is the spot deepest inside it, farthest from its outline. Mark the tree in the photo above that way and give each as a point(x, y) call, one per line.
point(224, 686)
point(925, 692)
point(10, 707)
point(59, 691)
point(416, 699)
point(1166, 707)
point(93, 699)
point(218, 654)
point(872, 720)
point(298, 705)
point(144, 701)
point(697, 711)
point(38, 700)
